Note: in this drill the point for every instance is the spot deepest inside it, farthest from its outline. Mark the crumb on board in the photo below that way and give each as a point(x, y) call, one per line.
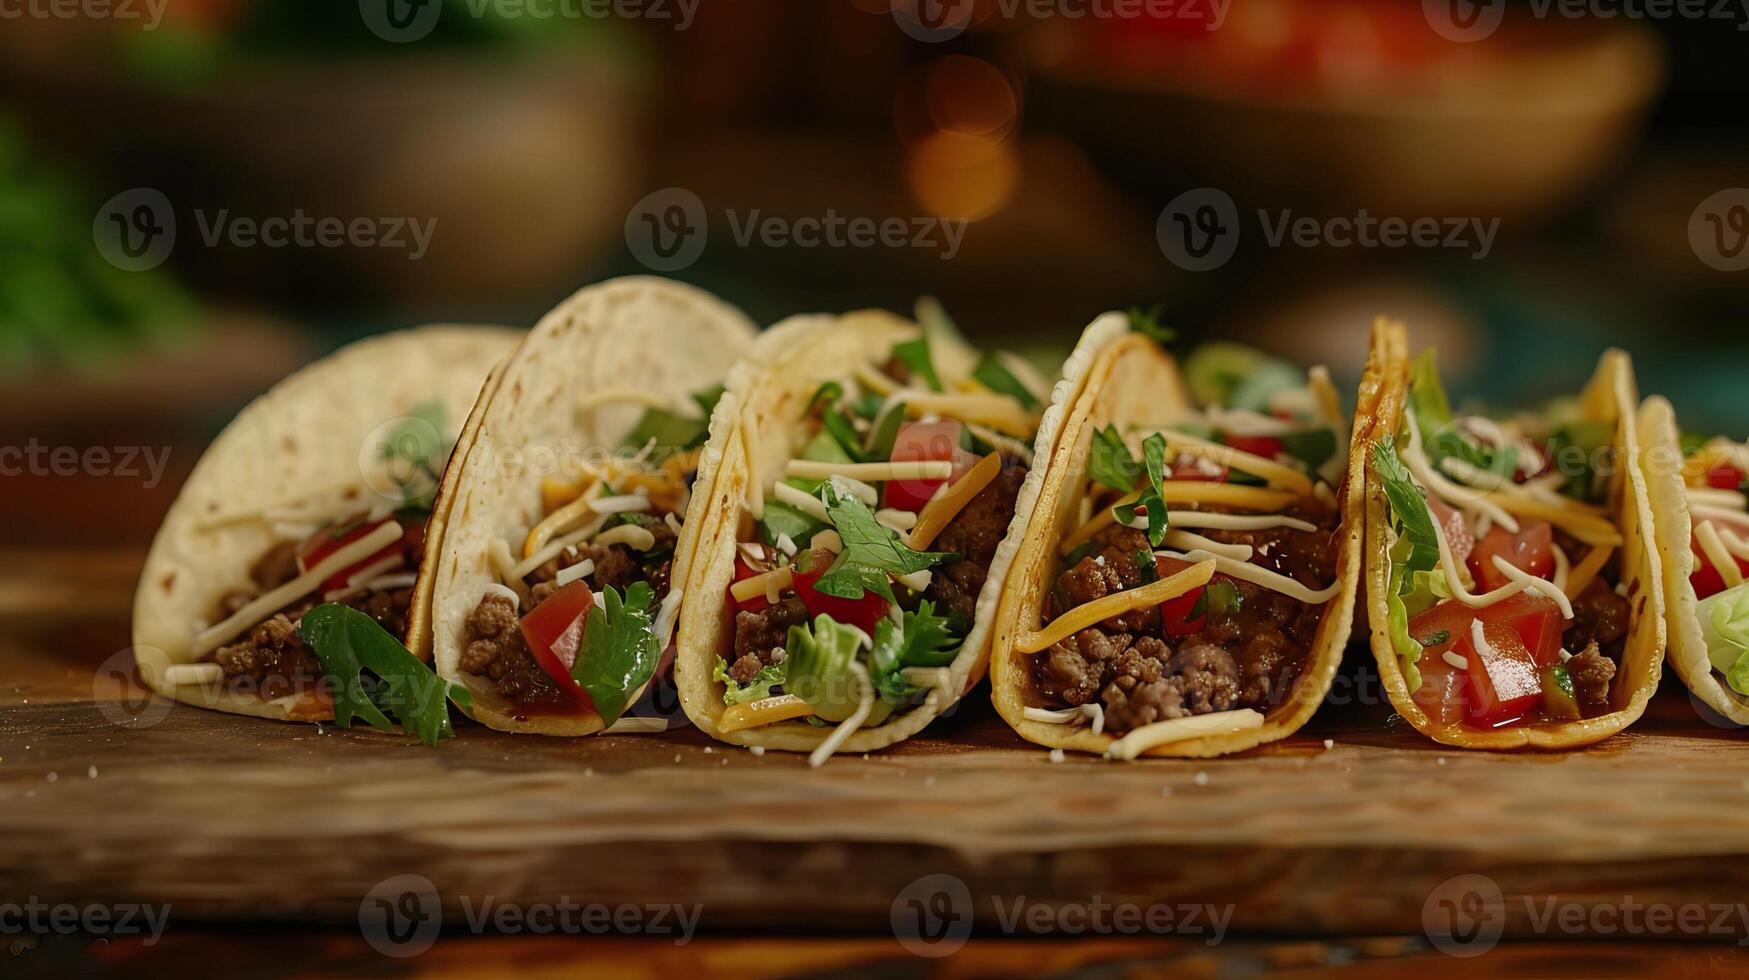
point(1057, 755)
point(1201, 779)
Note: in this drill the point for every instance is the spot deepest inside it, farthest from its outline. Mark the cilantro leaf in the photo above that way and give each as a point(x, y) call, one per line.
point(1408, 506)
point(994, 375)
point(1147, 323)
point(921, 639)
point(871, 552)
point(757, 689)
point(826, 395)
point(619, 650)
point(1110, 463)
point(1153, 497)
point(915, 355)
point(348, 642)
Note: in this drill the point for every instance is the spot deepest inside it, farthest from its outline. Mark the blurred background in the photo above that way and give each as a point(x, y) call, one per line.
point(477, 160)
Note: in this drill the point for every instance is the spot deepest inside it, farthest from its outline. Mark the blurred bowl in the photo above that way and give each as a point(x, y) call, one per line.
point(521, 168)
point(1367, 110)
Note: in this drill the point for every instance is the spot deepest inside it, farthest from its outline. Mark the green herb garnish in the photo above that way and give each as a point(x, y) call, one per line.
point(348, 643)
point(871, 550)
point(618, 654)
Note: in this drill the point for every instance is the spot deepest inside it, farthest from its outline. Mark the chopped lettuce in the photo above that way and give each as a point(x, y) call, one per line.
point(619, 650)
point(1153, 499)
point(1577, 449)
point(914, 354)
point(1724, 622)
point(348, 643)
point(1235, 376)
point(818, 663)
point(757, 689)
point(1110, 464)
point(1408, 506)
point(994, 375)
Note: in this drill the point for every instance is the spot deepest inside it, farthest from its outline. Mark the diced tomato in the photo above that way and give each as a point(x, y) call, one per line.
point(1268, 447)
point(1706, 579)
point(861, 613)
point(1176, 615)
point(1724, 477)
point(745, 570)
point(325, 542)
point(554, 631)
point(1524, 635)
point(1457, 530)
point(925, 441)
point(1505, 681)
point(1531, 550)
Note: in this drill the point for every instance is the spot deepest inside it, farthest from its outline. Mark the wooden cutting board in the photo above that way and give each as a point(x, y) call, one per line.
point(1347, 829)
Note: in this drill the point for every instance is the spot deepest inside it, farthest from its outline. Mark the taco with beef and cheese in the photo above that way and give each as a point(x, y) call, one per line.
point(870, 479)
point(1700, 502)
point(1513, 595)
point(315, 508)
point(1187, 584)
point(568, 526)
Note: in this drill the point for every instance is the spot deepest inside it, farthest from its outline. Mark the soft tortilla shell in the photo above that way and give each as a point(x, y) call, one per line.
point(1129, 379)
point(1675, 529)
point(754, 434)
point(642, 332)
point(1609, 397)
point(299, 441)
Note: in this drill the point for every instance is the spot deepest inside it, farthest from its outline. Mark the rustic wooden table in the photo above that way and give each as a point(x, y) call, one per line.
point(249, 830)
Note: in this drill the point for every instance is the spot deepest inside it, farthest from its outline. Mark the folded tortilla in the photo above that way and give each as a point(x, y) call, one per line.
point(1114, 377)
point(644, 336)
point(755, 431)
point(1610, 397)
point(311, 444)
point(1663, 466)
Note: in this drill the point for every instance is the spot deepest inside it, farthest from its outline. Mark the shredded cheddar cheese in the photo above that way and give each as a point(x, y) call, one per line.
point(1116, 604)
point(766, 711)
point(1277, 474)
point(951, 499)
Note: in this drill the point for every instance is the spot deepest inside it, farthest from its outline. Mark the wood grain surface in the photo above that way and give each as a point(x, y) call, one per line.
point(1351, 828)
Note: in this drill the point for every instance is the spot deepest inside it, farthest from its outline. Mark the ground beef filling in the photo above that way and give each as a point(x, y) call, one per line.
point(1243, 658)
point(270, 659)
point(1599, 630)
point(974, 534)
point(495, 648)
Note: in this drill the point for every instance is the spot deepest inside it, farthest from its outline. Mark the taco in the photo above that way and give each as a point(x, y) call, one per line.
point(1699, 489)
point(870, 478)
point(322, 491)
point(568, 539)
point(1513, 599)
point(1187, 584)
